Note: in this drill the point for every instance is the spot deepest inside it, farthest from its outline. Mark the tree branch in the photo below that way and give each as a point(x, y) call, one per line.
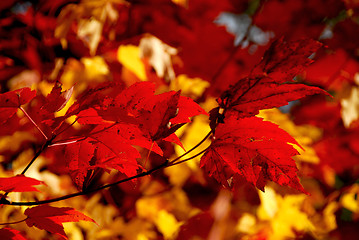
point(163, 165)
point(8, 223)
point(37, 154)
point(6, 202)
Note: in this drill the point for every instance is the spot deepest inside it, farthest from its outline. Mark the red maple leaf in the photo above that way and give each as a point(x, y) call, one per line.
point(10, 101)
point(129, 117)
point(333, 71)
point(271, 82)
point(246, 146)
point(51, 218)
point(161, 115)
point(78, 161)
point(249, 96)
point(121, 133)
point(92, 97)
point(253, 149)
point(145, 116)
point(43, 108)
point(187, 108)
point(6, 113)
point(284, 60)
point(102, 151)
point(57, 99)
point(11, 234)
point(157, 112)
point(19, 183)
point(16, 98)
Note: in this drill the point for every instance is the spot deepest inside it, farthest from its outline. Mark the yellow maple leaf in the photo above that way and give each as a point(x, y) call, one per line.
point(325, 221)
point(190, 87)
point(284, 214)
point(350, 199)
point(178, 175)
point(84, 71)
point(246, 224)
point(174, 200)
point(166, 210)
point(167, 224)
point(129, 57)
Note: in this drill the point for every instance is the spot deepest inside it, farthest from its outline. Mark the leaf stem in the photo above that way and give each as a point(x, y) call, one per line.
point(33, 122)
point(67, 127)
point(8, 223)
point(66, 142)
point(173, 162)
point(189, 158)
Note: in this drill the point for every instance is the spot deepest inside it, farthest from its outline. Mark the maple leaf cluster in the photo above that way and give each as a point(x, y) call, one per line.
point(156, 117)
point(244, 144)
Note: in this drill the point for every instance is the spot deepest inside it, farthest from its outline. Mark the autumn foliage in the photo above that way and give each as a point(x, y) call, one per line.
point(180, 119)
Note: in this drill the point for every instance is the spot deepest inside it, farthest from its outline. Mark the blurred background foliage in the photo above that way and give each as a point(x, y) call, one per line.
point(201, 48)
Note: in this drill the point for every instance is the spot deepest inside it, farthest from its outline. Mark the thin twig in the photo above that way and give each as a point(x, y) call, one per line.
point(33, 122)
point(86, 191)
point(8, 223)
point(172, 162)
point(37, 154)
point(148, 155)
point(67, 127)
point(67, 142)
point(185, 160)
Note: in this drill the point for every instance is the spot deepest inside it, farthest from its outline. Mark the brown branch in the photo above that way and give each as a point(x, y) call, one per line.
point(6, 202)
point(161, 166)
point(8, 223)
point(37, 154)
